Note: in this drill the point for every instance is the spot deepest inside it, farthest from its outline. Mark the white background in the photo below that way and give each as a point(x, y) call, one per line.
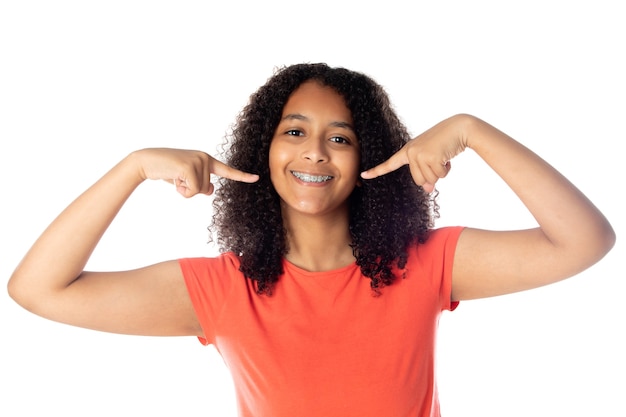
point(82, 84)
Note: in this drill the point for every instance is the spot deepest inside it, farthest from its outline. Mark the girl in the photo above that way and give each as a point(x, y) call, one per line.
point(326, 297)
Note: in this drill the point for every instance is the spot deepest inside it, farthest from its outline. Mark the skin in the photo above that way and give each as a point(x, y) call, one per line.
point(315, 137)
point(571, 234)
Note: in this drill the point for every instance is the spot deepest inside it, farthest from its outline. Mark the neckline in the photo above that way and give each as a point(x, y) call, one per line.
point(301, 271)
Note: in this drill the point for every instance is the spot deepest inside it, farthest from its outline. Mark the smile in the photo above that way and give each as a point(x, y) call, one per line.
point(311, 178)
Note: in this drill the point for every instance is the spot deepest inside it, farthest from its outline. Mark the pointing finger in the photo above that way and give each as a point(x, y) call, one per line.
point(223, 170)
point(396, 161)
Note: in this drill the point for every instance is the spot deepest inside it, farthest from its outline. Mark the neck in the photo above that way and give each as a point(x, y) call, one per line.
point(318, 243)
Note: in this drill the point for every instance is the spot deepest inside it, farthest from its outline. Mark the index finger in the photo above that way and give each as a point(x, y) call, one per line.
point(396, 161)
point(223, 170)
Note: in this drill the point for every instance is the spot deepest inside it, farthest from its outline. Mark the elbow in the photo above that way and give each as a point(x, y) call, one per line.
point(604, 241)
point(609, 239)
point(15, 290)
point(20, 292)
point(589, 248)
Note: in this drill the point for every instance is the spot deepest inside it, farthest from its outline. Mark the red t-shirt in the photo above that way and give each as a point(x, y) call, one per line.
point(323, 344)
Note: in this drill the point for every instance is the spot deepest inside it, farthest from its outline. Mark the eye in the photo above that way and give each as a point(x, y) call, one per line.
point(339, 139)
point(294, 132)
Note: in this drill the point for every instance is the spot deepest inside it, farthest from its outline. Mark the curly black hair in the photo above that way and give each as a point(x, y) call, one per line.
point(387, 213)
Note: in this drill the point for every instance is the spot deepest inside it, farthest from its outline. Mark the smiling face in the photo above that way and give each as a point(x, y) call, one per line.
point(314, 154)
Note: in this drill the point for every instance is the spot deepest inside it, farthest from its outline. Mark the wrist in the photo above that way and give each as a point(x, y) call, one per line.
point(467, 127)
point(133, 166)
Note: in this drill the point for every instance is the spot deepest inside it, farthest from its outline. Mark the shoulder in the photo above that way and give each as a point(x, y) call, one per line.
point(211, 274)
point(224, 262)
point(435, 257)
point(438, 241)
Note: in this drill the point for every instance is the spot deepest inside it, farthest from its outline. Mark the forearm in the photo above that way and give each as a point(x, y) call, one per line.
point(566, 217)
point(58, 257)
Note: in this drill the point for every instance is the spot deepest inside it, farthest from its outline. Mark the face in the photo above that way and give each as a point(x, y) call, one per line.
point(314, 154)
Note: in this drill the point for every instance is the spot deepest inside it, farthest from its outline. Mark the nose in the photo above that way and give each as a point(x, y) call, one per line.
point(314, 149)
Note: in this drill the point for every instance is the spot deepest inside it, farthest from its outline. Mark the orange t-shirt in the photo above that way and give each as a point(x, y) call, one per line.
point(322, 344)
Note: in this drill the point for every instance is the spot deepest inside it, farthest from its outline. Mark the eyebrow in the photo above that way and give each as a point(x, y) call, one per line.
point(298, 116)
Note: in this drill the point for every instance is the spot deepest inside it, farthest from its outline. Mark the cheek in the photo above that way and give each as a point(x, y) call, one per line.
point(355, 163)
point(276, 161)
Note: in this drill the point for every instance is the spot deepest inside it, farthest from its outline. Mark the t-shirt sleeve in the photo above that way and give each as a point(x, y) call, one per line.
point(209, 281)
point(450, 235)
point(437, 255)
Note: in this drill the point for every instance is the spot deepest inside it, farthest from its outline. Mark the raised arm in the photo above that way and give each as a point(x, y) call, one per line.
point(50, 280)
point(572, 234)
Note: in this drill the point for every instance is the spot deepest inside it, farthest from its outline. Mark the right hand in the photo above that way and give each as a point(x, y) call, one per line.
point(189, 170)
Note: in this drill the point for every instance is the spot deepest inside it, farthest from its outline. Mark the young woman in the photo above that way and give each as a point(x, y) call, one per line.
point(326, 298)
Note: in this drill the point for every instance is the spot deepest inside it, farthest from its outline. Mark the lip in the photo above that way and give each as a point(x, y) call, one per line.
point(310, 178)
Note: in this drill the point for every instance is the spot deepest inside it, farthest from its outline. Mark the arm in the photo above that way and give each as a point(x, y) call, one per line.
point(50, 280)
point(571, 235)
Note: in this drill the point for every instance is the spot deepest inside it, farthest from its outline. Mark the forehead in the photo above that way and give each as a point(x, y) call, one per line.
point(314, 98)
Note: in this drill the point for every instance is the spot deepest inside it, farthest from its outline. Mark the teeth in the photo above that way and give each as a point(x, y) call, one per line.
point(311, 178)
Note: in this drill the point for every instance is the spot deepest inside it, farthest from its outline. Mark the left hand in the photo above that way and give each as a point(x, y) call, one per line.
point(428, 155)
